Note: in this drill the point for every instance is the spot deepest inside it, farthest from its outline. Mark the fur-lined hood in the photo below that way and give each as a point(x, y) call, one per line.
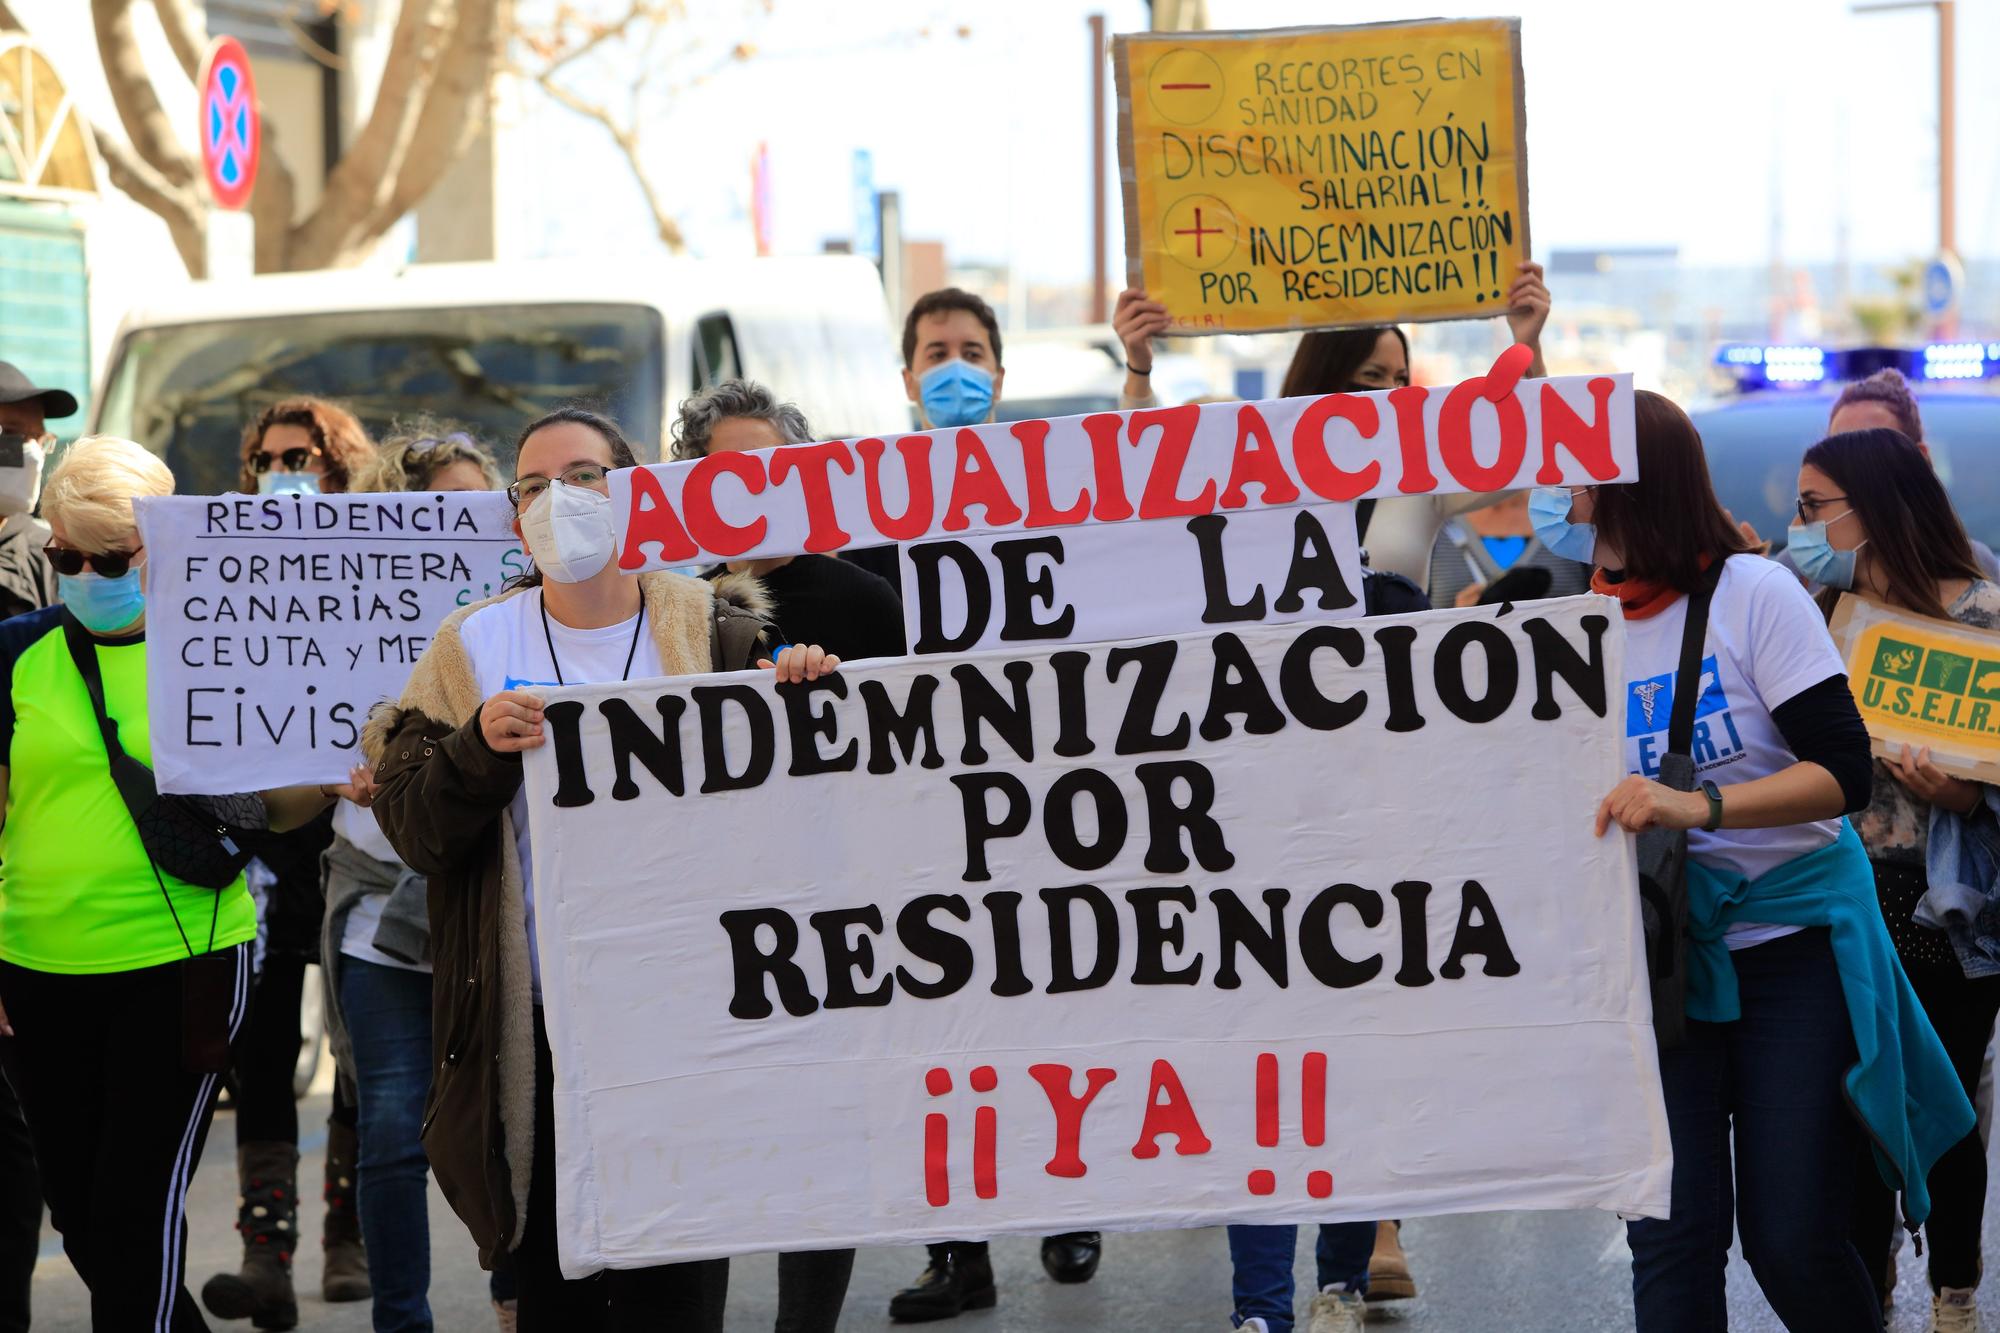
point(443, 687)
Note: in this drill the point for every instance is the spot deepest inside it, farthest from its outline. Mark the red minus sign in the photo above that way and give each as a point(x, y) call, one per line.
point(1181, 87)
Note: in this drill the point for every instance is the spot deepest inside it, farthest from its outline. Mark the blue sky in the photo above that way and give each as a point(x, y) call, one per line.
point(1640, 132)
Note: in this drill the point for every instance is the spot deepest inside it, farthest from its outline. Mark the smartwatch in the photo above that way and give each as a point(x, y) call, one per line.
point(1714, 795)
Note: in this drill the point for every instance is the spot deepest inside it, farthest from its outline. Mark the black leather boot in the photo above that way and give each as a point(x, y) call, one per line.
point(960, 1278)
point(1072, 1256)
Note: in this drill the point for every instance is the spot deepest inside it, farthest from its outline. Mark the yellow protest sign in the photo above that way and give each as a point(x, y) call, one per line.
point(1320, 177)
point(1923, 682)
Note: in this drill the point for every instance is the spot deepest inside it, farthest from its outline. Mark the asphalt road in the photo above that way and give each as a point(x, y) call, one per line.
point(1548, 1272)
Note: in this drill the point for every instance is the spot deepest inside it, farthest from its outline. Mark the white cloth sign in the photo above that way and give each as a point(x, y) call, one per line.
point(1493, 432)
point(274, 623)
point(1285, 924)
point(1095, 584)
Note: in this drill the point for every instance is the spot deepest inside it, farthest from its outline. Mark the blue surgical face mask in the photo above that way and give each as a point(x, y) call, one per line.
point(102, 604)
point(1816, 559)
point(1548, 511)
point(956, 394)
point(288, 483)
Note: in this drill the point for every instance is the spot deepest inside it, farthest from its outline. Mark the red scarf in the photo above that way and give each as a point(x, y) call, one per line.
point(1642, 599)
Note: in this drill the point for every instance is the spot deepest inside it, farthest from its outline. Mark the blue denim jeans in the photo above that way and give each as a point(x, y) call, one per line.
point(1261, 1263)
point(1773, 1077)
point(388, 1016)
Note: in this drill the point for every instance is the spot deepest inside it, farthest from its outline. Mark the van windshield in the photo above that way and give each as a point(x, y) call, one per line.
point(187, 390)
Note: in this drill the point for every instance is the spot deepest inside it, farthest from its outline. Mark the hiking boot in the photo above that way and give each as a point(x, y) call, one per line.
point(344, 1273)
point(267, 1215)
point(1073, 1256)
point(1954, 1311)
point(1337, 1311)
point(1388, 1270)
point(959, 1278)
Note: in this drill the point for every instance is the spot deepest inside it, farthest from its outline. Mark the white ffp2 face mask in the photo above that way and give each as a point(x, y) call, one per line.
point(21, 484)
point(568, 531)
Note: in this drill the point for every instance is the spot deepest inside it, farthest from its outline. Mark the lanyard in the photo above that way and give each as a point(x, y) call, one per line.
point(638, 626)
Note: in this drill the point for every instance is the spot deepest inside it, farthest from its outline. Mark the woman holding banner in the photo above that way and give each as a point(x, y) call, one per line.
point(298, 447)
point(1398, 533)
point(1874, 520)
point(451, 801)
point(376, 945)
point(121, 984)
point(1802, 1033)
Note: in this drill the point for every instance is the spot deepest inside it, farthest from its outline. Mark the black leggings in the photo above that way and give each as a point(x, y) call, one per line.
point(20, 1212)
point(118, 1123)
point(267, 1056)
point(1962, 1010)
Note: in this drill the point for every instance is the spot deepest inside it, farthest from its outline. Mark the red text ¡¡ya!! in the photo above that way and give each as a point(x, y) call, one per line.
point(1169, 1113)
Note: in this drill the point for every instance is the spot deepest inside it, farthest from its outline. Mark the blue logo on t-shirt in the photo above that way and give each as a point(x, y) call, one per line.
point(1649, 708)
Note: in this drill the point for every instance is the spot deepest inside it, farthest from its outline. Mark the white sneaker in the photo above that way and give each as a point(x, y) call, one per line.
point(1336, 1311)
point(1953, 1310)
point(1254, 1324)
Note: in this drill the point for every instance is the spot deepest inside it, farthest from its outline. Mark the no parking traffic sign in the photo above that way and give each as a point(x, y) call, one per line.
point(231, 136)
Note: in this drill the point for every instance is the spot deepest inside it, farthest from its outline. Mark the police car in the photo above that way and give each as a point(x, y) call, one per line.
point(1784, 395)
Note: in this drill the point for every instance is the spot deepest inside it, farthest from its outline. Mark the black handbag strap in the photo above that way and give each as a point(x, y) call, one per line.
point(1687, 680)
point(133, 779)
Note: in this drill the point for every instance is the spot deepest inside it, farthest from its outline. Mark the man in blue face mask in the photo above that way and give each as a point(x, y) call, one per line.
point(951, 359)
point(952, 373)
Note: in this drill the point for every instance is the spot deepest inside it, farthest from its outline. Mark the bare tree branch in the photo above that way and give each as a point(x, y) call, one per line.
point(272, 201)
point(457, 109)
point(186, 34)
point(132, 93)
point(366, 176)
point(180, 208)
point(628, 144)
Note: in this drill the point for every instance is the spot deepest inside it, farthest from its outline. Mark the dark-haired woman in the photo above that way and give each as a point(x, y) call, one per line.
point(1400, 531)
point(1874, 520)
point(450, 799)
point(1802, 1031)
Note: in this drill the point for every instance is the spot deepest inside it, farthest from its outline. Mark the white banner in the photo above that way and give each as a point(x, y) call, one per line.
point(1285, 924)
point(274, 623)
point(1095, 584)
point(1493, 432)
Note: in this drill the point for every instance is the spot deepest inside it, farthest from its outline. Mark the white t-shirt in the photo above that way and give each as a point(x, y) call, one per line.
point(357, 935)
point(361, 828)
point(1766, 643)
point(509, 651)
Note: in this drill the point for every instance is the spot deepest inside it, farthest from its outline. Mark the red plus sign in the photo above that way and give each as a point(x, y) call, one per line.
point(1198, 231)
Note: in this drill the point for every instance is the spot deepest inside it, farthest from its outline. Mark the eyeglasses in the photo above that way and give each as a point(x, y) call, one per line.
point(295, 460)
point(417, 455)
point(1808, 509)
point(529, 489)
point(69, 561)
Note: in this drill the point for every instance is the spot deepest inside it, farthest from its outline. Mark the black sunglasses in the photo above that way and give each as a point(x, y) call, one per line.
point(295, 460)
point(70, 561)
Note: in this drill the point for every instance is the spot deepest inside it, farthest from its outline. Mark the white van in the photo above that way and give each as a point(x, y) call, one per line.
point(494, 345)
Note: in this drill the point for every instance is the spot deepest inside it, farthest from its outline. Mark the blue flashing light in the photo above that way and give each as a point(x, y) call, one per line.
point(1757, 366)
point(1960, 361)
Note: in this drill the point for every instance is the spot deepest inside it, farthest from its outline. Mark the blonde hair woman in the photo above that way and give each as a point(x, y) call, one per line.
point(99, 1005)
